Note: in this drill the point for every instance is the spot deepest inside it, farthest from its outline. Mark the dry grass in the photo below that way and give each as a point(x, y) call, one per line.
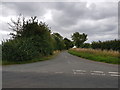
point(97, 55)
point(98, 51)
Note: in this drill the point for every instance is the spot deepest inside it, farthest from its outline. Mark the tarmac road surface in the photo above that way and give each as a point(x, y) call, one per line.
point(63, 71)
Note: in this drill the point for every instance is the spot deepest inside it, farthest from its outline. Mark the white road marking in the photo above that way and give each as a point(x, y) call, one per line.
point(79, 71)
point(114, 74)
point(97, 73)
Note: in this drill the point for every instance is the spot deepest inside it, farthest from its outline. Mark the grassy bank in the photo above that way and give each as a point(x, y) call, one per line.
point(33, 60)
point(97, 55)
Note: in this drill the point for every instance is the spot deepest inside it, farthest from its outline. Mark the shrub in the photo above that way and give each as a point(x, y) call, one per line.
point(32, 39)
point(19, 50)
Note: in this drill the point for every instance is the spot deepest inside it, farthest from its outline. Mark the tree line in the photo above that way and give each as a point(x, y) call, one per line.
point(33, 38)
point(108, 45)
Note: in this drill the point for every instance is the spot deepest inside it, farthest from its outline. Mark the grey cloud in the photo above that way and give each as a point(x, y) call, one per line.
point(26, 8)
point(70, 15)
point(97, 20)
point(103, 10)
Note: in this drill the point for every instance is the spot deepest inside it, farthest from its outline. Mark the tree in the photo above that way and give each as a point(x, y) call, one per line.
point(59, 43)
point(30, 40)
point(28, 28)
point(106, 45)
point(17, 26)
point(79, 39)
point(86, 45)
point(68, 43)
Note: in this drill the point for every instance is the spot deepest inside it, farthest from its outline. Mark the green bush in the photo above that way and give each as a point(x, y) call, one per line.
point(32, 39)
point(19, 50)
point(26, 49)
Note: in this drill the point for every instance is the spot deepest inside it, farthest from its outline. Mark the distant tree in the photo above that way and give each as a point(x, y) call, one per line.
point(59, 43)
point(68, 43)
point(79, 39)
point(86, 45)
point(106, 45)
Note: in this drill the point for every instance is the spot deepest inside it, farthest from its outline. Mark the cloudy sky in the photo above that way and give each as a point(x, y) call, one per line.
point(99, 20)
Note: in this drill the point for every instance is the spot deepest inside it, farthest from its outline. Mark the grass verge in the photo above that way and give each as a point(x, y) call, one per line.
point(97, 55)
point(33, 60)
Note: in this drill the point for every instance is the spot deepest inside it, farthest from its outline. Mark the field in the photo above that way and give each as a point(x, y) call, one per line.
point(97, 55)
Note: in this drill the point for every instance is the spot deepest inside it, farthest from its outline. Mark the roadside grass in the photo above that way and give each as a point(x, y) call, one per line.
point(44, 58)
point(97, 55)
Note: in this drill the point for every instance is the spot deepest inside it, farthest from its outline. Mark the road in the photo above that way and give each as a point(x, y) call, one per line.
point(63, 71)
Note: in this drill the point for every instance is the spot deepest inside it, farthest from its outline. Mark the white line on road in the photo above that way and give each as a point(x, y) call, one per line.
point(79, 71)
point(97, 73)
point(114, 74)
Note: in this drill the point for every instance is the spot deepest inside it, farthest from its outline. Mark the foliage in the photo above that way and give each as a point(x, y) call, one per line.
point(58, 41)
point(28, 28)
point(19, 50)
point(86, 45)
point(32, 39)
point(97, 55)
point(108, 45)
point(68, 43)
point(79, 39)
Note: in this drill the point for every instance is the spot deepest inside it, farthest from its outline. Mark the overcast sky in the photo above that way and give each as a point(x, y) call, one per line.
point(99, 20)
